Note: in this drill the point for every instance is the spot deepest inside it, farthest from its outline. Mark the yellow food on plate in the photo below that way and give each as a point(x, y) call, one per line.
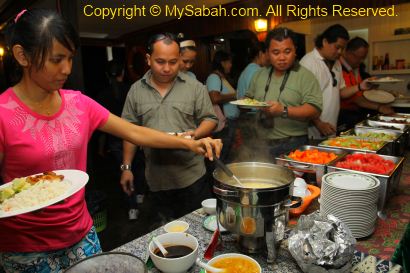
point(253, 102)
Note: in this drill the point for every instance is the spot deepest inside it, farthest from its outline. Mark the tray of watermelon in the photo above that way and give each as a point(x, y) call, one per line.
point(386, 168)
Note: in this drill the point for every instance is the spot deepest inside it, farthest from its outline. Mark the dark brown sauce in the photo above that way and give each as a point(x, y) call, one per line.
point(174, 251)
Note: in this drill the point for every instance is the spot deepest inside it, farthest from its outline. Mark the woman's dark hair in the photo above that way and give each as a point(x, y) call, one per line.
point(356, 43)
point(255, 49)
point(280, 34)
point(167, 37)
point(35, 31)
point(219, 57)
point(331, 34)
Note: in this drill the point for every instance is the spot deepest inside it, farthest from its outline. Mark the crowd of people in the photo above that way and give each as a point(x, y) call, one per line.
point(168, 114)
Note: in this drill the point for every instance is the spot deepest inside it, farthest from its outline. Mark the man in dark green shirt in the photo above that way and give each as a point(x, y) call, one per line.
point(292, 92)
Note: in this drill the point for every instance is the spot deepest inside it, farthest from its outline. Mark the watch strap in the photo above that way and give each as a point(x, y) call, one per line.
point(125, 167)
point(285, 112)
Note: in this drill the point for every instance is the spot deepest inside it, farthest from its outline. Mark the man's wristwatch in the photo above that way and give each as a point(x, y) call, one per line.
point(125, 167)
point(284, 112)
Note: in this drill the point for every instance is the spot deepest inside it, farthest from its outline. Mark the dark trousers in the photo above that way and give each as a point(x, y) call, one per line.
point(138, 170)
point(228, 137)
point(173, 204)
point(286, 145)
point(348, 118)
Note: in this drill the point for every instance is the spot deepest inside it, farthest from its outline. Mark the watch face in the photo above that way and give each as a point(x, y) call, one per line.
point(125, 167)
point(285, 112)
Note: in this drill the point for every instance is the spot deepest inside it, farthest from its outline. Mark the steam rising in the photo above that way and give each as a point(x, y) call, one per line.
point(254, 147)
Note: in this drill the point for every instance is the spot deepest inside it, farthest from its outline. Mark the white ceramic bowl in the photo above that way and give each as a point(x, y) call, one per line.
point(209, 206)
point(174, 265)
point(176, 226)
point(234, 255)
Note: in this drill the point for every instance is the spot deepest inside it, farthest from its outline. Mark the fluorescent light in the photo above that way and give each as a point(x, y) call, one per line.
point(93, 35)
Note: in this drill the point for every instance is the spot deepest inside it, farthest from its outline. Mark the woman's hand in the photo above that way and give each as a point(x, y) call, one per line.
point(204, 147)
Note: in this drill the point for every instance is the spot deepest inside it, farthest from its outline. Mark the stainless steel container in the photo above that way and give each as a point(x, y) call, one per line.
point(388, 182)
point(258, 215)
point(382, 150)
point(394, 119)
point(318, 169)
point(383, 125)
point(396, 146)
point(404, 128)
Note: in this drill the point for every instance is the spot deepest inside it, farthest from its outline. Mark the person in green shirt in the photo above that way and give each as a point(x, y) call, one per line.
point(292, 92)
point(171, 102)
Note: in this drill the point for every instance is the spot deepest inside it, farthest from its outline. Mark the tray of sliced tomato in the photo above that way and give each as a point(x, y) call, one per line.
point(371, 163)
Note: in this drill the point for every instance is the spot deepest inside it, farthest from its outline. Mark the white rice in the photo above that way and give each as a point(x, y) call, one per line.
point(41, 192)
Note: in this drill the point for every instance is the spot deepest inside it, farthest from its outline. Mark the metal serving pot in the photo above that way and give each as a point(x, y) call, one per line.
point(258, 211)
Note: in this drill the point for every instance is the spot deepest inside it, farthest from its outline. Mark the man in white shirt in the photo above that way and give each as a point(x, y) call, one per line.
point(323, 62)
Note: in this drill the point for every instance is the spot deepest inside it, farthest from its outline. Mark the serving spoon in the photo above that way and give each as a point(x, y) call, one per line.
point(208, 267)
point(225, 169)
point(160, 246)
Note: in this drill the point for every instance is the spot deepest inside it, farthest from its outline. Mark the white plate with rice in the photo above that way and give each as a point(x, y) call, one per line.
point(43, 194)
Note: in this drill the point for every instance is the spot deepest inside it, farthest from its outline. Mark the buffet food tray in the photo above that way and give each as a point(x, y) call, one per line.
point(384, 149)
point(383, 125)
point(394, 119)
point(388, 182)
point(318, 169)
point(396, 146)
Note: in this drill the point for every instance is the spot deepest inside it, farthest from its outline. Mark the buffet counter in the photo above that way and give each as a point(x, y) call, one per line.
point(284, 263)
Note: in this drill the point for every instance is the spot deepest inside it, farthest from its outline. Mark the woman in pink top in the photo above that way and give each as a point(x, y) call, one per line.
point(44, 127)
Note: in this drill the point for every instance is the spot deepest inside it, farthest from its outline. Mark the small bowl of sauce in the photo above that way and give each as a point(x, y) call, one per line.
point(176, 226)
point(182, 252)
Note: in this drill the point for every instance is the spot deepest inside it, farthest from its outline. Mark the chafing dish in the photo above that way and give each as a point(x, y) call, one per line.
point(388, 182)
point(382, 150)
point(382, 125)
point(396, 146)
point(317, 169)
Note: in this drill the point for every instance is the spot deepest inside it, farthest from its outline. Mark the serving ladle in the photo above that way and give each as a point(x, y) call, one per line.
point(160, 246)
point(225, 169)
point(208, 267)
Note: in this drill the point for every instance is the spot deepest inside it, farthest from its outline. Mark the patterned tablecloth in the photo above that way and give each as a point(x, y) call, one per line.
point(362, 263)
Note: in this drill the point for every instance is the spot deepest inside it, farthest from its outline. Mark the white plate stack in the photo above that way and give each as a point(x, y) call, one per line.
point(352, 197)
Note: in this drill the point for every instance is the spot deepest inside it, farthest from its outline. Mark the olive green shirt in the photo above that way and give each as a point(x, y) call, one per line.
point(301, 87)
point(183, 108)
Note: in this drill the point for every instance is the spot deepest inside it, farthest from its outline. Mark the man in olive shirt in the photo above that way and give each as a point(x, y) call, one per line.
point(169, 101)
point(292, 92)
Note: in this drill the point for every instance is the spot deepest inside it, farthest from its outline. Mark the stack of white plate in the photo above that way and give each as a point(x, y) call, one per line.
point(352, 197)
